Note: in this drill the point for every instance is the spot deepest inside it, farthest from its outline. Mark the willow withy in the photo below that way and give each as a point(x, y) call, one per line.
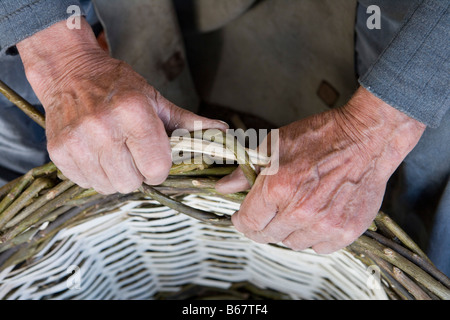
point(36, 206)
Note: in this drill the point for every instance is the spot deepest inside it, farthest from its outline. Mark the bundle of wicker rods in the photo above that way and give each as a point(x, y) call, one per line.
point(36, 206)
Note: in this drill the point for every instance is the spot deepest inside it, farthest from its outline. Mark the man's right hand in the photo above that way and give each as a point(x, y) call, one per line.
point(106, 126)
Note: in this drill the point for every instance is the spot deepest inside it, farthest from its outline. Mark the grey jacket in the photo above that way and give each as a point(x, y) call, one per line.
point(412, 74)
point(20, 19)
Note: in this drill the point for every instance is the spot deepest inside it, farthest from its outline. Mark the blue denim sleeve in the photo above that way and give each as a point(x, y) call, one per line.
point(413, 72)
point(20, 19)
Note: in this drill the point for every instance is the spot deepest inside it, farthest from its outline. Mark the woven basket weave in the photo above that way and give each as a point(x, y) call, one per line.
point(142, 249)
point(58, 241)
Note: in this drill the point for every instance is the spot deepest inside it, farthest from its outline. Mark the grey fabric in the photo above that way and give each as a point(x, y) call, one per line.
point(418, 197)
point(440, 238)
point(413, 73)
point(22, 142)
point(208, 16)
point(20, 19)
point(370, 43)
point(420, 201)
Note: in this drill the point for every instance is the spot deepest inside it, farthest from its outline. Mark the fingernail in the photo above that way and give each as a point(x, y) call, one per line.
point(224, 123)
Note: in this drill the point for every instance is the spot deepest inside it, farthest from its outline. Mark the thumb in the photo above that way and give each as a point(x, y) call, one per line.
point(175, 117)
point(234, 182)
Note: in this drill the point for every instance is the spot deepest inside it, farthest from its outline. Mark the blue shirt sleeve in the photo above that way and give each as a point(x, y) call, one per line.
point(413, 72)
point(20, 19)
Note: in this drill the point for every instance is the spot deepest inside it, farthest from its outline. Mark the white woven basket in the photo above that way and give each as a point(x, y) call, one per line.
point(143, 248)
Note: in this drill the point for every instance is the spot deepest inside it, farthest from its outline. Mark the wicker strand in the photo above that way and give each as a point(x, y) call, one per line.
point(44, 195)
point(24, 105)
point(422, 277)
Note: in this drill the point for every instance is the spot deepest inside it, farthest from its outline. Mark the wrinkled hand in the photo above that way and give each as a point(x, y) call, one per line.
point(106, 127)
point(333, 170)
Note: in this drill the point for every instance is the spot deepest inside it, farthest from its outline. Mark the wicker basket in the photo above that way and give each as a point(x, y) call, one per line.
point(142, 249)
point(138, 249)
point(58, 241)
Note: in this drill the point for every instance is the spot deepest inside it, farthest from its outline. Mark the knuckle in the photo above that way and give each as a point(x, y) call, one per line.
point(158, 171)
point(258, 239)
point(332, 223)
point(250, 221)
point(288, 243)
point(297, 217)
point(272, 238)
point(82, 183)
point(326, 247)
point(265, 236)
point(130, 186)
point(95, 126)
point(134, 106)
point(320, 249)
point(349, 237)
point(295, 244)
point(104, 190)
point(124, 189)
point(297, 248)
